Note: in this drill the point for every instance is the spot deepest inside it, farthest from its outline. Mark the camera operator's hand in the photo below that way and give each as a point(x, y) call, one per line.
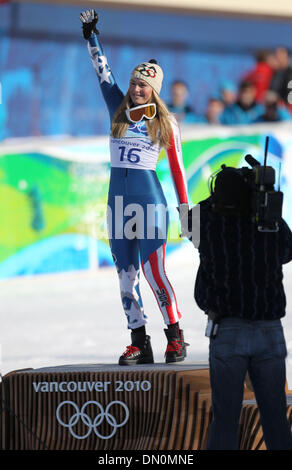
point(89, 19)
point(183, 217)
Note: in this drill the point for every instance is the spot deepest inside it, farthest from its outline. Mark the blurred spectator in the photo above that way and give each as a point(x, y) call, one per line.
point(228, 92)
point(245, 110)
point(215, 108)
point(283, 74)
point(273, 111)
point(262, 73)
point(179, 104)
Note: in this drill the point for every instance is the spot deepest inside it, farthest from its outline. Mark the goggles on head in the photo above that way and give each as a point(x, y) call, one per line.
point(137, 113)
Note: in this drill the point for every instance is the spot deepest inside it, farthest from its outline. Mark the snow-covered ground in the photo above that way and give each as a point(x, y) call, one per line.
point(77, 318)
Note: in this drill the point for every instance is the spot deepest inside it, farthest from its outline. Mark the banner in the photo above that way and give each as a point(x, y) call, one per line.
point(53, 192)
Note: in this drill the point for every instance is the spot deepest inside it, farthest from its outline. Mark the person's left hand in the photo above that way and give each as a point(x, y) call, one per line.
point(183, 217)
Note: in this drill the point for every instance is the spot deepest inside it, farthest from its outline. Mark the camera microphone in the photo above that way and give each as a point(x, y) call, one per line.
point(251, 161)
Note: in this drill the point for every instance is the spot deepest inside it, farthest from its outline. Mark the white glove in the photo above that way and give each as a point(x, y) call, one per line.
point(183, 217)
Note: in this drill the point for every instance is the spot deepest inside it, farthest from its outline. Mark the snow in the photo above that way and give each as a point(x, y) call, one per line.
point(77, 317)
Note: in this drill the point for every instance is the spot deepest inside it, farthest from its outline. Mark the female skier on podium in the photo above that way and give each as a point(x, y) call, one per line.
point(140, 126)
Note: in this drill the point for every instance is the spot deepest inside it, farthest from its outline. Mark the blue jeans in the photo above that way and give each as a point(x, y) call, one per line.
point(259, 348)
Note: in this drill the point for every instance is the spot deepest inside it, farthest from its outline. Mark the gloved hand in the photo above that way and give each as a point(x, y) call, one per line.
point(89, 20)
point(183, 217)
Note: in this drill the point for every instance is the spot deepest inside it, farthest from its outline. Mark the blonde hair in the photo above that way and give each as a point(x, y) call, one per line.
point(159, 128)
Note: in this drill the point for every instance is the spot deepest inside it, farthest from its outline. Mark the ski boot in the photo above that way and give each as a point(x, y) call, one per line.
point(139, 352)
point(176, 347)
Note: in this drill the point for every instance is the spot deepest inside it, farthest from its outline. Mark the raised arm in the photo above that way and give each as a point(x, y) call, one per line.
point(109, 88)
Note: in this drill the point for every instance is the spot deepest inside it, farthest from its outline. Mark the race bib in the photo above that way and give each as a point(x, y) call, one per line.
point(134, 153)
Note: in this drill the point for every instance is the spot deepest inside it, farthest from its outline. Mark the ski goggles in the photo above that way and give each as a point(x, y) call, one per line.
point(147, 111)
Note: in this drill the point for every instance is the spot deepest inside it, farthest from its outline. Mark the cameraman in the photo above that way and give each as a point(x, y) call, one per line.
point(239, 285)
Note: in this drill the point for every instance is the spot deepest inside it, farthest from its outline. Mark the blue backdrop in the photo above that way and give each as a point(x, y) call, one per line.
point(49, 86)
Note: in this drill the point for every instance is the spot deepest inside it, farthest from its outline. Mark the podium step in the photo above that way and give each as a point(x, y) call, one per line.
point(106, 406)
point(111, 407)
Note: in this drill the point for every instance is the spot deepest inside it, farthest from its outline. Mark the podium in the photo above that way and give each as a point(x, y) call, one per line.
point(111, 407)
point(96, 407)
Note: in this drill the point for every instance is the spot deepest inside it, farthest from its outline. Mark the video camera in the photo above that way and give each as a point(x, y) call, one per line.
point(266, 202)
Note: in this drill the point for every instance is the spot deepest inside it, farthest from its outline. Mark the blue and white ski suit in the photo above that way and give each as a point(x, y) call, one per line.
point(133, 186)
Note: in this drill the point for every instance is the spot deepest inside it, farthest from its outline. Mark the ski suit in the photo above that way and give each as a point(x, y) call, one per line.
point(135, 188)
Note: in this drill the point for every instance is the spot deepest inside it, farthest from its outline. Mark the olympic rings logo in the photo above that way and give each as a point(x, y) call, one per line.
point(147, 71)
point(92, 424)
